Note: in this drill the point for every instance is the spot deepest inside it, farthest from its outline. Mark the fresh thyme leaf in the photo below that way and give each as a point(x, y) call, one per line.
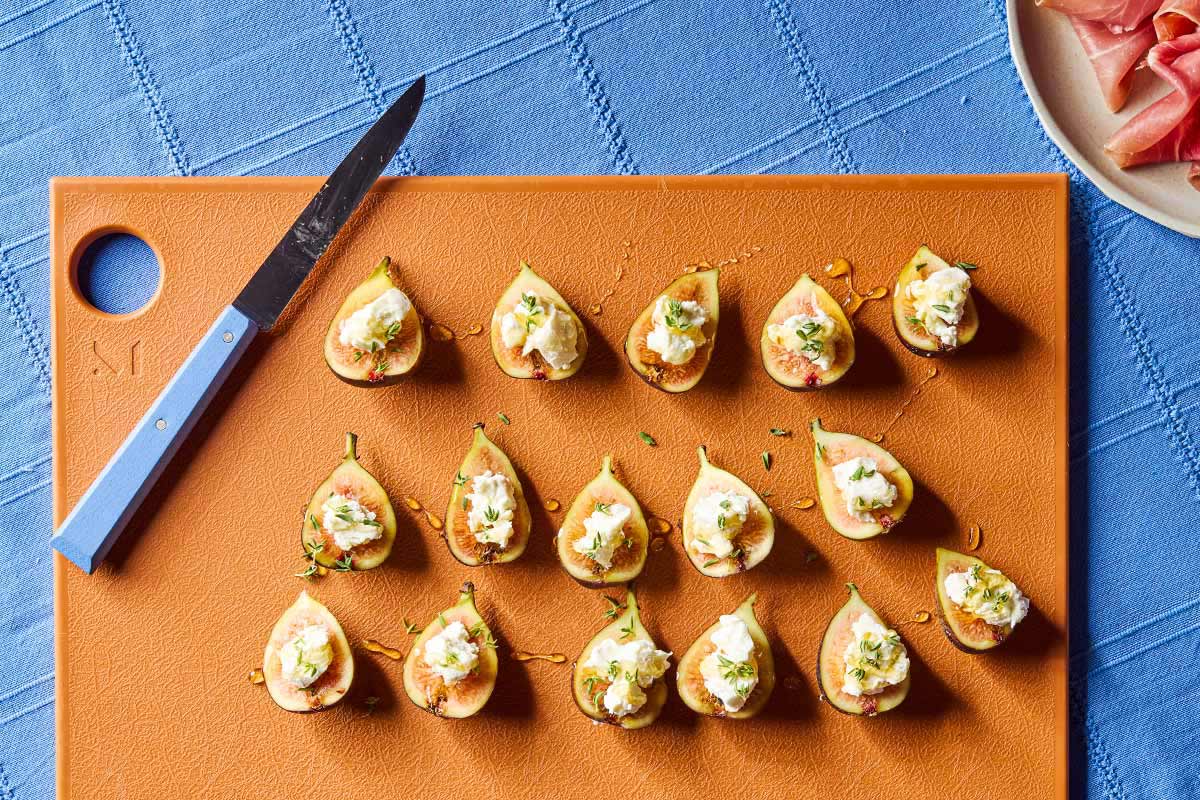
point(942, 307)
point(312, 519)
point(411, 628)
point(966, 265)
point(647, 438)
point(627, 631)
point(441, 618)
point(603, 508)
point(358, 356)
point(460, 479)
point(503, 418)
point(858, 474)
point(309, 571)
point(780, 432)
point(344, 564)
point(712, 561)
point(766, 459)
point(721, 521)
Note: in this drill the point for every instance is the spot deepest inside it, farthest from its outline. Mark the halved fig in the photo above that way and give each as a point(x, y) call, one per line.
point(966, 631)
point(349, 480)
point(402, 352)
point(912, 334)
point(699, 287)
point(534, 365)
point(831, 449)
point(691, 682)
point(484, 456)
point(428, 690)
point(587, 687)
point(332, 684)
point(751, 542)
point(796, 371)
point(831, 664)
point(628, 558)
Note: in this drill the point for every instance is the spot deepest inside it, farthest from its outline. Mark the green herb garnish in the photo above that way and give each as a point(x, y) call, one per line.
point(503, 418)
point(647, 438)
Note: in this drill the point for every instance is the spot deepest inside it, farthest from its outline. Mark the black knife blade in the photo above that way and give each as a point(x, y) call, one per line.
point(274, 283)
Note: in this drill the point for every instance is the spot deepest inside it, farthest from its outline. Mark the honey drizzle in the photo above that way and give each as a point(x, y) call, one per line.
point(256, 677)
point(974, 537)
point(553, 658)
point(660, 525)
point(658, 543)
point(372, 646)
point(440, 333)
point(474, 330)
point(841, 268)
point(552, 505)
point(921, 617)
point(804, 503)
point(597, 308)
point(434, 521)
point(704, 263)
point(908, 401)
point(413, 503)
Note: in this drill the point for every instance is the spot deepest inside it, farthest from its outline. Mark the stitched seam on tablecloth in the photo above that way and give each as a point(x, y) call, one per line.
point(883, 112)
point(11, 693)
point(25, 11)
point(1097, 753)
point(147, 84)
point(814, 89)
point(585, 73)
point(364, 70)
point(6, 790)
point(26, 324)
point(54, 23)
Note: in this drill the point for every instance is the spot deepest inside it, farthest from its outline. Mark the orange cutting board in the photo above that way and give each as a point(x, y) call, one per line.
point(154, 649)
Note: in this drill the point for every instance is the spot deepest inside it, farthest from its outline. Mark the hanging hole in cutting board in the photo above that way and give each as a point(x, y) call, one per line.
point(118, 273)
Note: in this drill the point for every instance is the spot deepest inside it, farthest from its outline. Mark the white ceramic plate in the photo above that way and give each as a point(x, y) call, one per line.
point(1066, 97)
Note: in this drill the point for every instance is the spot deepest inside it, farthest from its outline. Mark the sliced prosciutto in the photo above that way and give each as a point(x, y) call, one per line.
point(1119, 15)
point(1176, 18)
point(1113, 56)
point(1169, 129)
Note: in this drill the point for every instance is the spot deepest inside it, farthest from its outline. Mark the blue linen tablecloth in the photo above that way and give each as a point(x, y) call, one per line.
point(247, 87)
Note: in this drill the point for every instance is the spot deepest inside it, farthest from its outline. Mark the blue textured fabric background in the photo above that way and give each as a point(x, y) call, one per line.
point(134, 87)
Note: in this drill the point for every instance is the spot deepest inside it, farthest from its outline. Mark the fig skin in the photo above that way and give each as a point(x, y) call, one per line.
point(628, 562)
point(349, 477)
point(700, 286)
point(757, 536)
point(656, 695)
point(426, 689)
point(831, 652)
point(776, 360)
point(690, 683)
point(844, 446)
point(532, 366)
point(482, 456)
point(333, 684)
point(968, 633)
point(923, 264)
point(405, 353)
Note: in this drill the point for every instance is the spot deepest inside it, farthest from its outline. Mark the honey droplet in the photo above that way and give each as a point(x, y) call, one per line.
point(974, 537)
point(660, 525)
point(804, 503)
point(595, 309)
point(553, 658)
point(440, 332)
point(658, 544)
point(434, 521)
point(552, 505)
point(878, 293)
point(376, 647)
point(474, 330)
point(256, 677)
point(322, 570)
point(877, 438)
point(921, 617)
point(838, 268)
point(413, 503)
point(811, 556)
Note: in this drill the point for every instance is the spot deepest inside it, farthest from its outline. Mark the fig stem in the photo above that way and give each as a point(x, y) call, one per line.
point(702, 450)
point(607, 466)
point(351, 446)
point(468, 590)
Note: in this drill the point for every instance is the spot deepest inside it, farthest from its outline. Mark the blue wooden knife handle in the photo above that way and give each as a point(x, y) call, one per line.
point(93, 526)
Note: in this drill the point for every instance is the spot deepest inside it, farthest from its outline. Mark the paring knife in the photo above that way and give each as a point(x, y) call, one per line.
point(93, 526)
